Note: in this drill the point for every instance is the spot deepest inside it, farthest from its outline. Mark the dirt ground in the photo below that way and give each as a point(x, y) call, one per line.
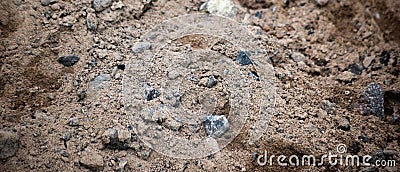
point(325, 57)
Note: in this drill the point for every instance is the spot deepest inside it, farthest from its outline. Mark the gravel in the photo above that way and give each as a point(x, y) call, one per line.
point(151, 94)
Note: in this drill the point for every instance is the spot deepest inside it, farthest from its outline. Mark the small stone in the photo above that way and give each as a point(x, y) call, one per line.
point(322, 2)
point(68, 60)
point(328, 106)
point(216, 125)
point(73, 121)
point(367, 61)
point(91, 21)
point(66, 136)
point(363, 138)
point(173, 124)
point(9, 144)
point(297, 57)
point(356, 68)
point(120, 139)
point(384, 57)
point(220, 7)
point(92, 161)
point(151, 94)
point(344, 124)
point(243, 58)
point(47, 2)
point(100, 82)
point(372, 101)
point(211, 81)
point(346, 77)
point(100, 5)
point(121, 67)
point(254, 75)
point(141, 46)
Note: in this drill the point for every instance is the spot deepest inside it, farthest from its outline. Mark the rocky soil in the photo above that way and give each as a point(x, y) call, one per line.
point(62, 66)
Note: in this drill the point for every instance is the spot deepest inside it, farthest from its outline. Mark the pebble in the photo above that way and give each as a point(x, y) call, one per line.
point(92, 161)
point(120, 139)
point(254, 75)
point(216, 125)
point(322, 2)
point(140, 47)
point(9, 144)
point(384, 57)
point(356, 68)
point(371, 101)
point(151, 94)
point(367, 61)
point(211, 81)
point(100, 5)
point(328, 106)
point(220, 7)
point(47, 2)
point(100, 82)
point(73, 121)
point(344, 124)
point(297, 57)
point(243, 58)
point(68, 60)
point(91, 21)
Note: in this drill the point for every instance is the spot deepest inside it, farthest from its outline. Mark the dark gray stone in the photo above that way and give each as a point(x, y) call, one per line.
point(243, 58)
point(211, 81)
point(371, 101)
point(356, 68)
point(68, 60)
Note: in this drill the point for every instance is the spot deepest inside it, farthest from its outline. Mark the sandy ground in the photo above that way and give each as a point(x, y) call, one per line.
point(326, 59)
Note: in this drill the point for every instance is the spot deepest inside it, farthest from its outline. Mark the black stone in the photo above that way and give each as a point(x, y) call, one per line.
point(152, 94)
point(68, 60)
point(356, 68)
point(363, 138)
point(121, 66)
point(384, 57)
point(243, 58)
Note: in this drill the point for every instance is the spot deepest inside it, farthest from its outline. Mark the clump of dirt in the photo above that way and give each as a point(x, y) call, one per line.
point(9, 17)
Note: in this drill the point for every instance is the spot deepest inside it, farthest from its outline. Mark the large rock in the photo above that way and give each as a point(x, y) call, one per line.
point(9, 143)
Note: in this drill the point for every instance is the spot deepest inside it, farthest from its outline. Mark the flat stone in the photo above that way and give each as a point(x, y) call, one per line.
point(100, 5)
point(68, 60)
point(92, 161)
